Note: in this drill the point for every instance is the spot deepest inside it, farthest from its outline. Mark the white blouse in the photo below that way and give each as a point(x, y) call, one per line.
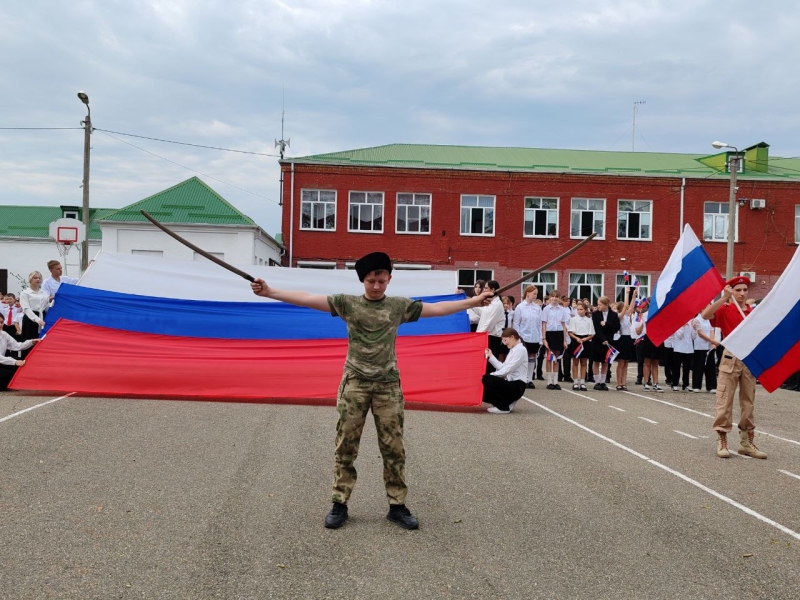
point(515, 367)
point(31, 301)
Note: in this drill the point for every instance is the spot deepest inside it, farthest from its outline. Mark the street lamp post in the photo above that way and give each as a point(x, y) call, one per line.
point(733, 168)
point(87, 131)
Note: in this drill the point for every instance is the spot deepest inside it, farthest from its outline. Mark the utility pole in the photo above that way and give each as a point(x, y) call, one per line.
point(282, 144)
point(87, 132)
point(733, 166)
point(633, 135)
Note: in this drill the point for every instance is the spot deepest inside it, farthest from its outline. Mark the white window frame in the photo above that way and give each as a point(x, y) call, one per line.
point(470, 286)
point(619, 285)
point(410, 267)
point(724, 215)
point(797, 223)
point(414, 198)
point(649, 212)
point(70, 214)
point(579, 212)
point(478, 198)
point(315, 264)
point(316, 202)
point(544, 287)
point(534, 211)
point(573, 284)
point(351, 204)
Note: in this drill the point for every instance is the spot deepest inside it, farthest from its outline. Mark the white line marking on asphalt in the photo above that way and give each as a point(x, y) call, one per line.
point(617, 408)
point(688, 435)
point(678, 474)
point(581, 395)
point(16, 414)
point(649, 420)
point(788, 473)
point(697, 412)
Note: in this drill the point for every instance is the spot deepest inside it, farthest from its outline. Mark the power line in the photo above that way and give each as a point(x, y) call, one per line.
point(185, 167)
point(144, 137)
point(35, 128)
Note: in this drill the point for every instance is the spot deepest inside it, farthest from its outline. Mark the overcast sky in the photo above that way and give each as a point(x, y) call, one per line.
point(361, 73)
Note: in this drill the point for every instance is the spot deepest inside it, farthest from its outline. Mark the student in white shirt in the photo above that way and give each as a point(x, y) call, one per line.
point(682, 355)
point(505, 386)
point(492, 319)
point(52, 283)
point(705, 355)
point(8, 365)
point(9, 312)
point(528, 322)
point(474, 313)
point(623, 341)
point(554, 334)
point(34, 301)
point(508, 309)
point(581, 331)
point(651, 354)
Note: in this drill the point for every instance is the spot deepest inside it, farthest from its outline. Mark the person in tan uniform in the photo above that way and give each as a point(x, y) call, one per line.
point(726, 313)
point(371, 380)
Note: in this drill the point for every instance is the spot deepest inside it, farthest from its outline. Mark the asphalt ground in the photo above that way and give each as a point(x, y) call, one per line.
point(574, 495)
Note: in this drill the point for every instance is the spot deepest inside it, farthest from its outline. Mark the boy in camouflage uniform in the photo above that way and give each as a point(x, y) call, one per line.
point(371, 379)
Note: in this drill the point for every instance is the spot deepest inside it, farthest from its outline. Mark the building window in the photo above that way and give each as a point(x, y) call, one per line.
point(588, 216)
point(70, 214)
point(413, 213)
point(313, 264)
point(642, 291)
point(477, 215)
point(541, 217)
point(544, 282)
point(153, 253)
point(318, 210)
point(468, 277)
point(199, 257)
point(366, 212)
point(633, 220)
point(797, 224)
point(715, 222)
point(586, 285)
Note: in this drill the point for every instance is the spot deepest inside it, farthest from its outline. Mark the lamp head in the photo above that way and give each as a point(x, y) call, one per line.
point(84, 97)
point(719, 145)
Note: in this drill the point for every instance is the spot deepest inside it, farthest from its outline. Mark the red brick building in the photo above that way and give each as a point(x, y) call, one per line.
point(498, 212)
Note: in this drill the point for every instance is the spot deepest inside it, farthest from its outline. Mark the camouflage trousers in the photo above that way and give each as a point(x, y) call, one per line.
point(356, 397)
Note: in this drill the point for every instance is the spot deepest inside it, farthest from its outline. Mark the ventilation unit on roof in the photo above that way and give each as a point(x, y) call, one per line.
point(758, 203)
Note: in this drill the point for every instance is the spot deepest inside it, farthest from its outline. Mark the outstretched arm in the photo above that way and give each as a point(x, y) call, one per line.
point(442, 309)
point(709, 310)
point(319, 302)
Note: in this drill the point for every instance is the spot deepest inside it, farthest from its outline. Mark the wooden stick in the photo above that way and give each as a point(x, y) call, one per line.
point(197, 249)
point(545, 266)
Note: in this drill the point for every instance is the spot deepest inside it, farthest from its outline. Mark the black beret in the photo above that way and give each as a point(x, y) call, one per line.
point(374, 261)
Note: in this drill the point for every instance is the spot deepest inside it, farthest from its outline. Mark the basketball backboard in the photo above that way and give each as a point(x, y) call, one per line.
point(68, 231)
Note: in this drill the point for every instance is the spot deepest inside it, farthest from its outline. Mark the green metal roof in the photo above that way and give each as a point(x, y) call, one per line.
point(548, 160)
point(34, 221)
point(191, 201)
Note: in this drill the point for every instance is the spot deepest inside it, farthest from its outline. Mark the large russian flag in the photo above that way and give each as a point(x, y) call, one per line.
point(139, 326)
point(687, 284)
point(768, 340)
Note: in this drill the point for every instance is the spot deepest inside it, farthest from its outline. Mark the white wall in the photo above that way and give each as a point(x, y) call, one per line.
point(23, 255)
point(238, 245)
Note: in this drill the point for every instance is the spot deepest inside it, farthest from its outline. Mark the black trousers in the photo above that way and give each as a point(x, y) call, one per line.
point(7, 373)
point(639, 349)
point(704, 364)
point(500, 392)
point(666, 362)
point(681, 367)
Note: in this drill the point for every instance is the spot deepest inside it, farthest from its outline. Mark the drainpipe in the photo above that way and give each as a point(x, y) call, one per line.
point(291, 217)
point(683, 187)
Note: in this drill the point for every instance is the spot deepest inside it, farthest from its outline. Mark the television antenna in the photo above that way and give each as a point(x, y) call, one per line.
point(635, 110)
point(282, 143)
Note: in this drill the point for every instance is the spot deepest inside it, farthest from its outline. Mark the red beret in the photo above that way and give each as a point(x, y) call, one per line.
point(741, 279)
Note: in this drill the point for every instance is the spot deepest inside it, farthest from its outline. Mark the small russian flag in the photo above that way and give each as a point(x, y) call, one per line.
point(626, 277)
point(578, 350)
point(551, 356)
point(611, 354)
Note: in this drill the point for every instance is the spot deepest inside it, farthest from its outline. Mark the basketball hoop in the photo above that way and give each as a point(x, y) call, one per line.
point(66, 233)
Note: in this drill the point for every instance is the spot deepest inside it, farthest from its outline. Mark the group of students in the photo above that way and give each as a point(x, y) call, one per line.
point(22, 319)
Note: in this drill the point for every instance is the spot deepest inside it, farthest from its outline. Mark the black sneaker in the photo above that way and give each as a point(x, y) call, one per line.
point(638, 382)
point(398, 513)
point(530, 386)
point(337, 516)
point(556, 386)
